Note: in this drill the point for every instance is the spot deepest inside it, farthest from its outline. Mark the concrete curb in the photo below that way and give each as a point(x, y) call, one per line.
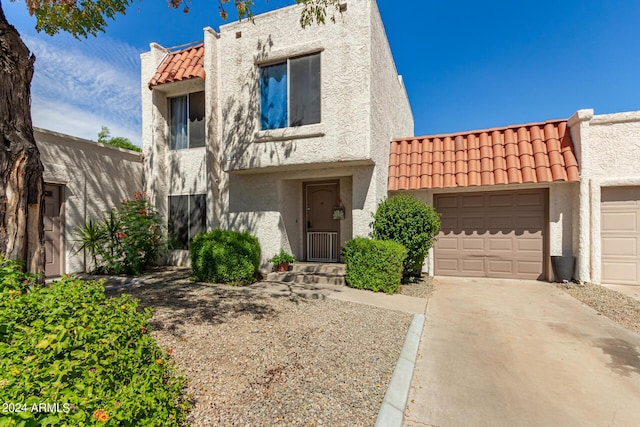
point(395, 399)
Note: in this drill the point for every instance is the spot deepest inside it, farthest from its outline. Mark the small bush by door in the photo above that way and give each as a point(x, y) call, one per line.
point(374, 264)
point(410, 222)
point(225, 256)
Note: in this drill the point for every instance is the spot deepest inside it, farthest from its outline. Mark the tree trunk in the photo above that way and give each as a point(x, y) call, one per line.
point(21, 195)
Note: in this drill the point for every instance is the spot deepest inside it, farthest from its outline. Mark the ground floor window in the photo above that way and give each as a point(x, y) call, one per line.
point(187, 218)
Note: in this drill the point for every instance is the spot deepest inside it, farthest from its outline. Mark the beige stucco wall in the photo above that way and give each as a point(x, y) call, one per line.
point(95, 177)
point(608, 149)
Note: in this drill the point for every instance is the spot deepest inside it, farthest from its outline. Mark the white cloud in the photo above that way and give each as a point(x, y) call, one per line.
point(77, 87)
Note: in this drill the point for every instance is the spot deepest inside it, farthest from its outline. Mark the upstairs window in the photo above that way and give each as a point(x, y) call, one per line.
point(186, 121)
point(290, 93)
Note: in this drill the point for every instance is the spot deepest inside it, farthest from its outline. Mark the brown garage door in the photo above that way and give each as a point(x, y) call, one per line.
point(620, 231)
point(494, 234)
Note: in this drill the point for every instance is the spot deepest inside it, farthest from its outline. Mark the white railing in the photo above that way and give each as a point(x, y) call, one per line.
point(322, 246)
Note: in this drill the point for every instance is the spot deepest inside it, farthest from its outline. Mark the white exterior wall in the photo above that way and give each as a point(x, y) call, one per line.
point(95, 177)
point(342, 135)
point(254, 179)
point(391, 114)
point(608, 149)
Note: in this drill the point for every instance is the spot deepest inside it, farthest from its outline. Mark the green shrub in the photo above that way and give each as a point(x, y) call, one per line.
point(374, 264)
point(410, 222)
point(224, 256)
point(89, 357)
point(12, 278)
point(127, 241)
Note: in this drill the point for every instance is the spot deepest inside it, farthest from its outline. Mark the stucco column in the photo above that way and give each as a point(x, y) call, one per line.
point(212, 128)
point(152, 129)
point(579, 128)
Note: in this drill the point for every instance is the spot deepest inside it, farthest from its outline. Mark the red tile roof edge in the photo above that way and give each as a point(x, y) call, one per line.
point(477, 131)
point(181, 64)
point(537, 152)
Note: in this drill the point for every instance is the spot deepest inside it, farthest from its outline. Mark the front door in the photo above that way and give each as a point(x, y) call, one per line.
point(53, 243)
point(322, 230)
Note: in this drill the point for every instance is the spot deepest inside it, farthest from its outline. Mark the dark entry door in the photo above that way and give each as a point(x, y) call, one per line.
point(322, 230)
point(52, 230)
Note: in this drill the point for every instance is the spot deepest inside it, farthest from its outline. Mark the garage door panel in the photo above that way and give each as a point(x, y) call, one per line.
point(448, 223)
point(620, 196)
point(620, 235)
point(625, 273)
point(499, 234)
point(472, 266)
point(530, 199)
point(529, 245)
point(448, 243)
point(472, 201)
point(500, 267)
point(444, 202)
point(473, 244)
point(500, 201)
point(528, 269)
point(620, 246)
point(620, 222)
point(473, 223)
point(500, 244)
point(449, 266)
point(501, 222)
point(529, 222)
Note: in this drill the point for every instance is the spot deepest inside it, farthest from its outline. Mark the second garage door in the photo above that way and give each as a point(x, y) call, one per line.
point(492, 234)
point(621, 235)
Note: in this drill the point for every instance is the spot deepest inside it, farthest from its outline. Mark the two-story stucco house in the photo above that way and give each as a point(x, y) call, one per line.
point(274, 129)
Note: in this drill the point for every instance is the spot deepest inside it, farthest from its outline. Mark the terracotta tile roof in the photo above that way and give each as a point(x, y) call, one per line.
point(180, 65)
point(530, 153)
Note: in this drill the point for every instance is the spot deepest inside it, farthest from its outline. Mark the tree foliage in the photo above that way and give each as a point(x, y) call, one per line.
point(104, 137)
point(83, 18)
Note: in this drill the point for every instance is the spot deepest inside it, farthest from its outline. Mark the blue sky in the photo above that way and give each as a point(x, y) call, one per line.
point(466, 64)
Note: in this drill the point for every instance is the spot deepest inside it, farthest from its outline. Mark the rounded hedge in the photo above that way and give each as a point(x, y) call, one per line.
point(410, 222)
point(374, 264)
point(225, 256)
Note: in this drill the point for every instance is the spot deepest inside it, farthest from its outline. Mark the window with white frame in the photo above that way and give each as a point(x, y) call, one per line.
point(186, 121)
point(290, 93)
point(187, 219)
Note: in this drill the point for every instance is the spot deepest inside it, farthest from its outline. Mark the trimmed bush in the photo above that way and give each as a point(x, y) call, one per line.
point(374, 264)
point(71, 356)
point(410, 222)
point(225, 256)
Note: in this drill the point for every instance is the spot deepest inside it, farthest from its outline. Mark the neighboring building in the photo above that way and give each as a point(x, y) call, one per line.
point(513, 197)
point(274, 129)
point(83, 180)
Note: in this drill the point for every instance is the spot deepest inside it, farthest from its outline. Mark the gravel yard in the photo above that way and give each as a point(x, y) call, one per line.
point(618, 307)
point(422, 289)
point(253, 359)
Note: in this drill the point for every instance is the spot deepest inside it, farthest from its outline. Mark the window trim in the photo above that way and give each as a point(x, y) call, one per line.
point(170, 117)
point(265, 134)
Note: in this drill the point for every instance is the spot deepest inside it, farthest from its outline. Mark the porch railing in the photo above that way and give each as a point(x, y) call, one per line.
point(322, 246)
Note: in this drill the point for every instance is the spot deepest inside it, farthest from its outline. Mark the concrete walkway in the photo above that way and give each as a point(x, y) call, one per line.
point(396, 302)
point(519, 353)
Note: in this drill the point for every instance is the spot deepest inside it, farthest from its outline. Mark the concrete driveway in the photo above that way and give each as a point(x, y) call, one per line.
point(521, 353)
